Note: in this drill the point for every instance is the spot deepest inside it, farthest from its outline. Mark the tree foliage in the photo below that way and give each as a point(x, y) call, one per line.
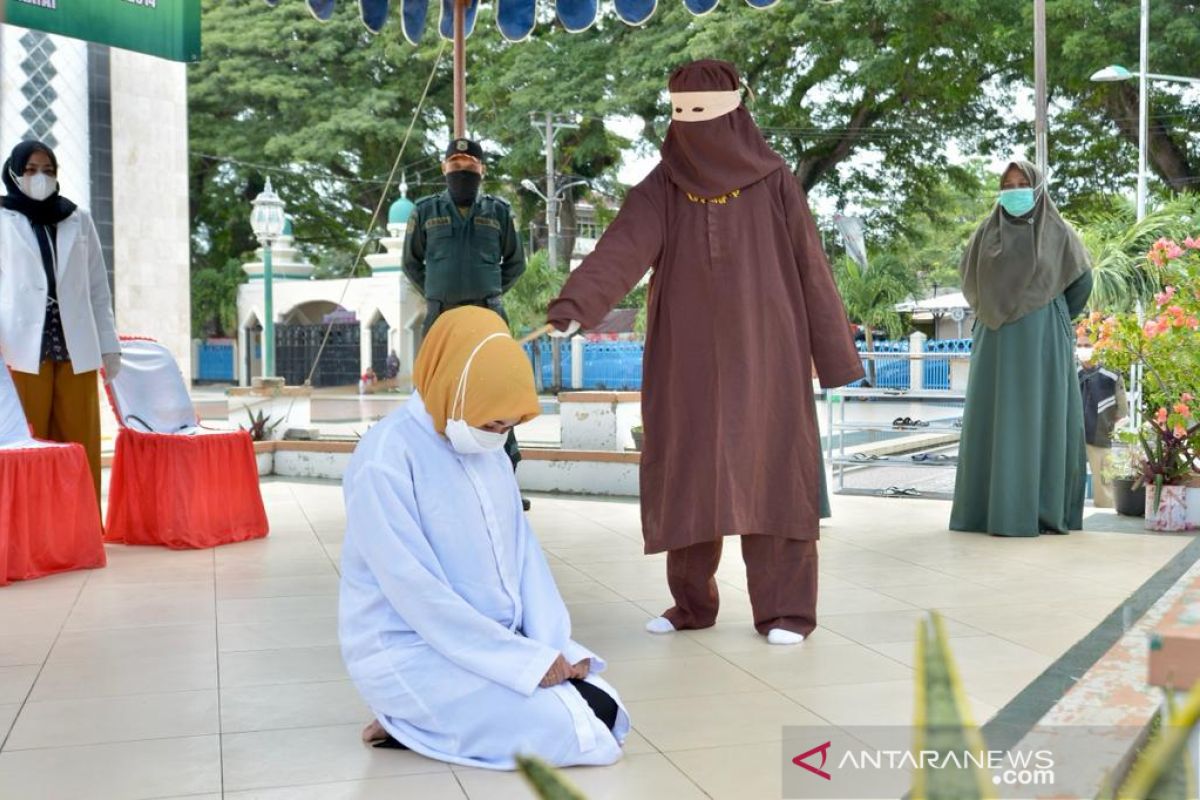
point(866, 101)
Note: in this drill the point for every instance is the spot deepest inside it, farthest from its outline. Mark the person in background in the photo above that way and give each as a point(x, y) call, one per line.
point(450, 622)
point(1104, 406)
point(1021, 460)
point(462, 247)
point(56, 317)
point(393, 365)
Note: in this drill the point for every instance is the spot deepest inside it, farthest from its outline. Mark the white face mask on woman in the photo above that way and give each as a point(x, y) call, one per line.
point(464, 438)
point(38, 186)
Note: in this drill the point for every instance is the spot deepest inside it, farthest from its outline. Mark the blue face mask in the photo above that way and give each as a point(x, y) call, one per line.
point(1017, 202)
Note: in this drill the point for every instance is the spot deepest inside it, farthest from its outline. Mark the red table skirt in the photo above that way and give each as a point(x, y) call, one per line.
point(184, 491)
point(49, 517)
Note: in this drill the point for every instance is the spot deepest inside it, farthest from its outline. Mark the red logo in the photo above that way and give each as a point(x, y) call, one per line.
point(823, 749)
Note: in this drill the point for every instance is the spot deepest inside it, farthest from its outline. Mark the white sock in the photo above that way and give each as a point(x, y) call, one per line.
point(780, 636)
point(660, 625)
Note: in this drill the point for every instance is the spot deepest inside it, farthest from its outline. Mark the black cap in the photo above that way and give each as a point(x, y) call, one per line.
point(464, 147)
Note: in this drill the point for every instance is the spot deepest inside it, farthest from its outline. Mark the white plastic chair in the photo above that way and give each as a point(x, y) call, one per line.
point(14, 426)
point(149, 394)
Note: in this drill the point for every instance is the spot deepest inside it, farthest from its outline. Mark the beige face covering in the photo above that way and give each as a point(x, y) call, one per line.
point(701, 106)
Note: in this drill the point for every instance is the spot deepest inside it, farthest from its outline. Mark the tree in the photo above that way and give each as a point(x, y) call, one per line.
point(1094, 139)
point(871, 295)
point(214, 300)
point(526, 302)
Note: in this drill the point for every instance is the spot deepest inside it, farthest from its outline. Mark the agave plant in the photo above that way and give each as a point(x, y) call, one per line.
point(261, 426)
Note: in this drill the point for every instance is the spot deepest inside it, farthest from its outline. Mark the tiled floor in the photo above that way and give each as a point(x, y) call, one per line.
point(216, 673)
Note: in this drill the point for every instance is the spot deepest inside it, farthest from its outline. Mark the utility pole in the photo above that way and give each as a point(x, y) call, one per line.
point(1041, 142)
point(549, 128)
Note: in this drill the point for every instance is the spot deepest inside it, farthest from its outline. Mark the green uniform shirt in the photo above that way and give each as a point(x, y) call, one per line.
point(455, 257)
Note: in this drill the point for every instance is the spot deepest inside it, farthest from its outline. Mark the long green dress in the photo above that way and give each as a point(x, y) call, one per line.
point(1022, 464)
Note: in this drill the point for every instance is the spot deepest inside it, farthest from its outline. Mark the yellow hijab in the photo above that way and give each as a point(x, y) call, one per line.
point(499, 384)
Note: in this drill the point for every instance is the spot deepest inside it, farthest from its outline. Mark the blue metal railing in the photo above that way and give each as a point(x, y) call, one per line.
point(618, 365)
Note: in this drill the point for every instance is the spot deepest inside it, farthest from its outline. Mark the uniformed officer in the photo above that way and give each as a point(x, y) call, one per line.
point(462, 247)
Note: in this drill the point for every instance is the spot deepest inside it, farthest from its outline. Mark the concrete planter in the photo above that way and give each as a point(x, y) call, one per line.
point(1170, 515)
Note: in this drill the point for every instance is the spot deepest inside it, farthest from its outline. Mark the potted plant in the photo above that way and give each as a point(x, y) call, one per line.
point(1122, 467)
point(638, 437)
point(1165, 346)
point(1166, 470)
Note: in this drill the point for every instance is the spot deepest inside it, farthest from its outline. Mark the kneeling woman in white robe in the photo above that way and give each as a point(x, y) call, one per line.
point(450, 623)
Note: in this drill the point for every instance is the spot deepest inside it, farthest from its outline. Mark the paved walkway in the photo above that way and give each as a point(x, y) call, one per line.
point(216, 673)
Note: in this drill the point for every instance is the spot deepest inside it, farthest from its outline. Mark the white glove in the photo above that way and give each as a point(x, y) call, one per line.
point(571, 330)
point(112, 365)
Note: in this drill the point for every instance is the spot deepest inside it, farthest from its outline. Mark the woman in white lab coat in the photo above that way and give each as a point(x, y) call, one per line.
point(450, 623)
point(56, 317)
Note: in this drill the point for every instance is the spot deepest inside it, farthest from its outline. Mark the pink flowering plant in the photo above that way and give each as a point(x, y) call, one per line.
point(1166, 343)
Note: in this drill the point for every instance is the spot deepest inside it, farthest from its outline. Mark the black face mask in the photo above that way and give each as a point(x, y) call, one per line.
point(464, 186)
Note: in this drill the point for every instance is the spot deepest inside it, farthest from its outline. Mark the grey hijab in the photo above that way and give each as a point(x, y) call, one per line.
point(1015, 265)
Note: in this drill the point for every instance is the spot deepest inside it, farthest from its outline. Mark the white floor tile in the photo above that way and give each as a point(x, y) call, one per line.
point(291, 705)
point(67, 723)
point(15, 683)
point(267, 759)
point(434, 786)
point(118, 771)
point(292, 665)
point(121, 675)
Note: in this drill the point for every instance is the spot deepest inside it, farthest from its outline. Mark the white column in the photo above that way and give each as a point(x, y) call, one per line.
point(916, 366)
point(364, 346)
point(577, 343)
point(151, 235)
point(240, 365)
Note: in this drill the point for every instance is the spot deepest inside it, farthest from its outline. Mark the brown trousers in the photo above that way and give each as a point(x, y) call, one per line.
point(1102, 492)
point(63, 407)
point(781, 575)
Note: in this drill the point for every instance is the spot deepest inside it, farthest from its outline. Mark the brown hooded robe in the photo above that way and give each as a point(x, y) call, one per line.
point(742, 301)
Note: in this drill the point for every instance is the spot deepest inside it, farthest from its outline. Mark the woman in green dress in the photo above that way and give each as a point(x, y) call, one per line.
point(1021, 462)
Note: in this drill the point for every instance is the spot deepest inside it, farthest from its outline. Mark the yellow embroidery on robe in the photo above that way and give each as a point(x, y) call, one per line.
point(722, 200)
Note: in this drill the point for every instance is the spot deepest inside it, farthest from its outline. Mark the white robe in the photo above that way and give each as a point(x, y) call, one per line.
point(449, 616)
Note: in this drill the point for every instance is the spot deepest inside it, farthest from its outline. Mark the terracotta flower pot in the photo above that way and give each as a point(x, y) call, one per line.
point(1171, 513)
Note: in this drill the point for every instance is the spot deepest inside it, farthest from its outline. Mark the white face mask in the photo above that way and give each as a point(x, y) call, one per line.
point(464, 438)
point(38, 186)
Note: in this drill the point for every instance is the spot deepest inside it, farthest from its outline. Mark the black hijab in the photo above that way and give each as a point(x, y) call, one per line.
point(51, 211)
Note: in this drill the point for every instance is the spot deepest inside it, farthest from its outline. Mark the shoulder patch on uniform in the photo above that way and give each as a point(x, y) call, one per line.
point(487, 222)
point(412, 224)
point(436, 222)
point(499, 200)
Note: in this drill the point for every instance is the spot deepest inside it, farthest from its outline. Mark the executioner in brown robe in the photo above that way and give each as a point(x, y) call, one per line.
point(742, 301)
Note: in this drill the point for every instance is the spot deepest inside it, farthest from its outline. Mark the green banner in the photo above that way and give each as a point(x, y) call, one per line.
point(164, 28)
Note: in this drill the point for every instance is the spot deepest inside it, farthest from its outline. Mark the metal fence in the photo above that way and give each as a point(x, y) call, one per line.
point(617, 366)
point(895, 373)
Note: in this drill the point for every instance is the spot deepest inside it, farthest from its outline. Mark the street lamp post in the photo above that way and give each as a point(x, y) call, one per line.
point(552, 214)
point(267, 221)
point(1115, 73)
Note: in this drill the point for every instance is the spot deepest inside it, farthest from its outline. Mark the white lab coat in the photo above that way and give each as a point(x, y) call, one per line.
point(84, 300)
point(449, 616)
